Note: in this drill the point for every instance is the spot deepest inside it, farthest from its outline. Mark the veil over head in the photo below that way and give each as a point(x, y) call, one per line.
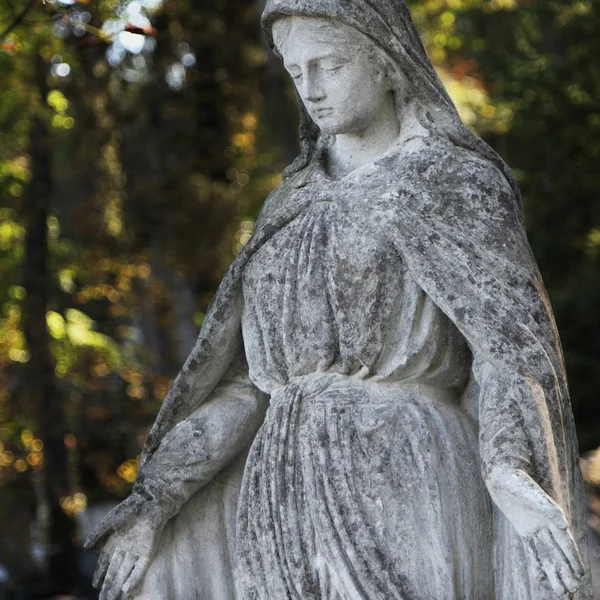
point(389, 25)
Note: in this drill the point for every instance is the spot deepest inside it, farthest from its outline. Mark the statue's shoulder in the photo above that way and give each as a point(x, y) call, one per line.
point(456, 178)
point(436, 158)
point(281, 196)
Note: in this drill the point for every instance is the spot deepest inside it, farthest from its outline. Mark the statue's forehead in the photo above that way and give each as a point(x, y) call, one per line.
point(300, 32)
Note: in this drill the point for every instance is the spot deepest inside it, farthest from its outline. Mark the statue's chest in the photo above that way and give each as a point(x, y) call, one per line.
point(331, 246)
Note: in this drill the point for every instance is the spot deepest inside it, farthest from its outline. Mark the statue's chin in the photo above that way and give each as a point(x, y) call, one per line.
point(331, 129)
point(330, 124)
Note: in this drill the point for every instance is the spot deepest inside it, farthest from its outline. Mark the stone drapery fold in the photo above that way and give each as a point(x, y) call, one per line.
point(349, 485)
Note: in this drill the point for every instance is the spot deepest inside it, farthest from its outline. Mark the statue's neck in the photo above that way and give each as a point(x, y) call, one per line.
point(351, 151)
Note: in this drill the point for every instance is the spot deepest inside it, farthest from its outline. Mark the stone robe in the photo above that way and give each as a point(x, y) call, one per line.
point(397, 326)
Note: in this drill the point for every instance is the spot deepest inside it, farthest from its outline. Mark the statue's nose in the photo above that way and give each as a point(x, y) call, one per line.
point(313, 91)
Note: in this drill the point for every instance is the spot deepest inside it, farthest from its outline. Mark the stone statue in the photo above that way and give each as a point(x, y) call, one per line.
point(376, 407)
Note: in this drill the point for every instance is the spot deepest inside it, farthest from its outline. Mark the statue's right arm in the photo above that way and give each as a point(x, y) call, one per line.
point(188, 457)
point(199, 447)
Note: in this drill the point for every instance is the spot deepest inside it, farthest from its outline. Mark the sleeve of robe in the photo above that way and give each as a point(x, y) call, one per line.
point(194, 476)
point(212, 410)
point(211, 396)
point(460, 229)
point(204, 443)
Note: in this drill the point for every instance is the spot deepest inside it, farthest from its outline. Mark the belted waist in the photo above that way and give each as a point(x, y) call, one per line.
point(334, 387)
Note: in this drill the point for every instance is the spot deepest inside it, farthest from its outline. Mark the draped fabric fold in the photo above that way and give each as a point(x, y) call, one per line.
point(466, 246)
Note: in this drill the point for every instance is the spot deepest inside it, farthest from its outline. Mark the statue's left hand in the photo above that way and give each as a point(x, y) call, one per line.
point(553, 553)
point(128, 537)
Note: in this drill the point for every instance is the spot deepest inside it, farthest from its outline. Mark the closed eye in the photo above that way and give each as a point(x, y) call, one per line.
point(295, 73)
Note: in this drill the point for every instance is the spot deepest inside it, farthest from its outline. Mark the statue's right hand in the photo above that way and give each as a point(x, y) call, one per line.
point(128, 537)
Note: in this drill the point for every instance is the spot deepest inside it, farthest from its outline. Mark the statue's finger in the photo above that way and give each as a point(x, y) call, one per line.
point(127, 565)
point(535, 562)
point(551, 558)
point(559, 587)
point(570, 573)
point(97, 534)
point(569, 580)
point(563, 539)
point(101, 568)
point(111, 573)
point(136, 575)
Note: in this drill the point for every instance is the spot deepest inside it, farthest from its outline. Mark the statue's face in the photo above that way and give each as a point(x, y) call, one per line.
point(333, 71)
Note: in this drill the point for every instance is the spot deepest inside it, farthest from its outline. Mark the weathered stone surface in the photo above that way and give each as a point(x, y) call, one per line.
point(376, 406)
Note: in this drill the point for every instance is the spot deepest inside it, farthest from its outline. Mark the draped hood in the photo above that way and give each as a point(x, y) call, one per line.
point(389, 25)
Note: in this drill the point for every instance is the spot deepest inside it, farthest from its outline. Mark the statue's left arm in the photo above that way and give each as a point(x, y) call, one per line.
point(460, 230)
point(539, 526)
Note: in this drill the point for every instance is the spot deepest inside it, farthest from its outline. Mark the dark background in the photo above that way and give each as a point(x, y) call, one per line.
point(138, 140)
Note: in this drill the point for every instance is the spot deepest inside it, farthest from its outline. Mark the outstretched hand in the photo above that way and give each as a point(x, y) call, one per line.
point(554, 557)
point(128, 536)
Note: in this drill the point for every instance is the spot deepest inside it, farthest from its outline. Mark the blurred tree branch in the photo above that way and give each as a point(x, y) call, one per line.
point(18, 19)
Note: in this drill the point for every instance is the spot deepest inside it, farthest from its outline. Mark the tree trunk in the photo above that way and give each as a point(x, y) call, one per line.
point(56, 527)
point(282, 114)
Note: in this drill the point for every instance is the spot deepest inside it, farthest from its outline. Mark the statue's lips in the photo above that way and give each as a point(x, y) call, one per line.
point(321, 112)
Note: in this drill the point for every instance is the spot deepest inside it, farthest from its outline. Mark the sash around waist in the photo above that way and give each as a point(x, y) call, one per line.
point(335, 388)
